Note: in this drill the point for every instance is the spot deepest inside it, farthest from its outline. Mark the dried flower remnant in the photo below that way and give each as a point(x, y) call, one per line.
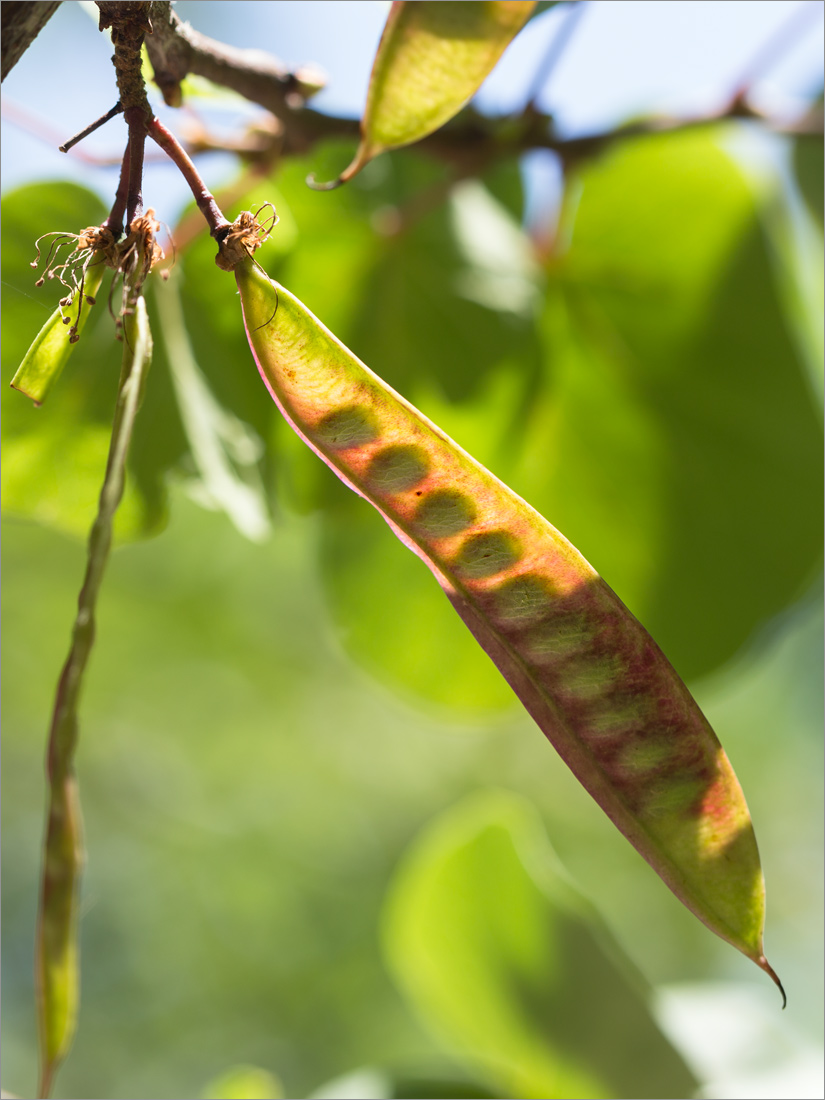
point(245, 236)
point(93, 245)
point(134, 257)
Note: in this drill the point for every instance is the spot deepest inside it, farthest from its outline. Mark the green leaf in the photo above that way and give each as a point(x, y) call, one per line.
point(54, 457)
point(244, 1083)
point(512, 969)
point(432, 58)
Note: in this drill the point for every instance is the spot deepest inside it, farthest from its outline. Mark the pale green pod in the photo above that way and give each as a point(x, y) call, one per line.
point(587, 671)
point(51, 348)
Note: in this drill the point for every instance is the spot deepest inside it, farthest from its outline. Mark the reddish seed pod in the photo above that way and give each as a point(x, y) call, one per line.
point(587, 671)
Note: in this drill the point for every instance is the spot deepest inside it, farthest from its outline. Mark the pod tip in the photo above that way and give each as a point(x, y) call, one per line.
point(316, 186)
point(763, 964)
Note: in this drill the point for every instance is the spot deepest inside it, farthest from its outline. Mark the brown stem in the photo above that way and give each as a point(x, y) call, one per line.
point(115, 219)
point(176, 49)
point(90, 129)
point(204, 199)
point(137, 143)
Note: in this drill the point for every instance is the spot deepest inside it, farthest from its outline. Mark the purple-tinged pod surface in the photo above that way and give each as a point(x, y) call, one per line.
point(590, 675)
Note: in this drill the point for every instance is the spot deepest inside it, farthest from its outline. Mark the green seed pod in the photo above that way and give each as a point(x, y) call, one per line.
point(53, 345)
point(590, 675)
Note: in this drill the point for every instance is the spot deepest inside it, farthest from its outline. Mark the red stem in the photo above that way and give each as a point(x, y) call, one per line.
point(204, 199)
point(137, 142)
point(115, 220)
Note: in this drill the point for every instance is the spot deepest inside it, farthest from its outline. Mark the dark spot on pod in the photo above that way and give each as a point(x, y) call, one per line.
point(352, 426)
point(523, 600)
point(487, 554)
point(398, 468)
point(444, 512)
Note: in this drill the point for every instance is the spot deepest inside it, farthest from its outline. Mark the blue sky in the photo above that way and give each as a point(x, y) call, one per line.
point(625, 57)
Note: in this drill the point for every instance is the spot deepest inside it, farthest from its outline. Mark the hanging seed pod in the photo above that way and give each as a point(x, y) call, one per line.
point(587, 671)
point(432, 58)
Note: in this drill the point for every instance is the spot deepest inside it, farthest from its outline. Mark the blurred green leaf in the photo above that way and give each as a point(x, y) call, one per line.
point(225, 451)
point(54, 457)
point(510, 967)
point(244, 1083)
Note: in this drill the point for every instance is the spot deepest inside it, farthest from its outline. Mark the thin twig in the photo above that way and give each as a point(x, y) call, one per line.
point(137, 143)
point(115, 219)
point(90, 129)
point(204, 199)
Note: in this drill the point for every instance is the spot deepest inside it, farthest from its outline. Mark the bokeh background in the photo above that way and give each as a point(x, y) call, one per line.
point(323, 840)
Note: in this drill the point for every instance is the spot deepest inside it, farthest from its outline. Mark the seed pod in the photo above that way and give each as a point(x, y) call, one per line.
point(590, 675)
point(47, 356)
point(432, 58)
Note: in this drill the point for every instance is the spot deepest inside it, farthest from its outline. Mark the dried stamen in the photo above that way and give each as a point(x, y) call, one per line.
point(245, 236)
point(94, 244)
